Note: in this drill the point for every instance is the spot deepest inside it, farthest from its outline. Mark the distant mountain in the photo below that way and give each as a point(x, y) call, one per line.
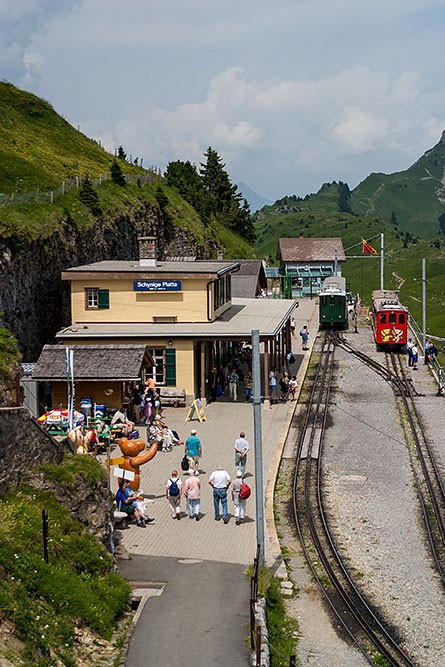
point(254, 200)
point(416, 196)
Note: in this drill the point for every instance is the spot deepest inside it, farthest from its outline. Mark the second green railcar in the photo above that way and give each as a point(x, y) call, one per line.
point(333, 307)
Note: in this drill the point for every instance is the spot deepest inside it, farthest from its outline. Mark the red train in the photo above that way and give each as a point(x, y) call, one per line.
point(390, 320)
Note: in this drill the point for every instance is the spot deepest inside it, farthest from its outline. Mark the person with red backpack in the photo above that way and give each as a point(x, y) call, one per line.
point(240, 493)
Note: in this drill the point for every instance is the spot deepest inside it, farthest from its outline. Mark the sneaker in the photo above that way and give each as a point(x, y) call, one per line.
point(217, 518)
point(178, 516)
point(196, 472)
point(147, 520)
point(191, 516)
point(226, 519)
point(237, 522)
point(141, 524)
point(197, 517)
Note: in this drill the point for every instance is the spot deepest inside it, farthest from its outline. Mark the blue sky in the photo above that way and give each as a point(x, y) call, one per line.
point(292, 93)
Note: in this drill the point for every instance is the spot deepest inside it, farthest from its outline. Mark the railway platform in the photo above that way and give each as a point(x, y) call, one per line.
point(200, 566)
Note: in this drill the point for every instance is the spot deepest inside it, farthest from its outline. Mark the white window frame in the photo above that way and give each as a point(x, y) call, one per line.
point(92, 298)
point(157, 373)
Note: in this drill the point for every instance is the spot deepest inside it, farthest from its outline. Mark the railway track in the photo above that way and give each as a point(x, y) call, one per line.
point(430, 488)
point(429, 485)
point(353, 612)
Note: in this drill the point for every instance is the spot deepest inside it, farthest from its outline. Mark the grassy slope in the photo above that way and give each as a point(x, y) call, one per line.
point(318, 217)
point(39, 150)
point(414, 194)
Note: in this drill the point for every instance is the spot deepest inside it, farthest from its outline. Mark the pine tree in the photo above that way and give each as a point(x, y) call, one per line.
point(89, 196)
point(117, 175)
point(394, 219)
point(121, 154)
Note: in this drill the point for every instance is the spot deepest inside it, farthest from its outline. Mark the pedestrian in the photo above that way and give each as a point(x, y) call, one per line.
point(213, 382)
point(173, 494)
point(409, 347)
point(292, 387)
point(193, 450)
point(192, 492)
point(241, 449)
point(273, 386)
point(293, 326)
point(248, 386)
point(415, 353)
point(220, 481)
point(239, 504)
point(432, 352)
point(284, 387)
point(233, 379)
point(304, 333)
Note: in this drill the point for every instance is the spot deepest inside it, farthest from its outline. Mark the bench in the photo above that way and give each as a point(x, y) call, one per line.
point(121, 519)
point(175, 397)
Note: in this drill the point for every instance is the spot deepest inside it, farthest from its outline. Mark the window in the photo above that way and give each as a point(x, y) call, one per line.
point(97, 298)
point(392, 318)
point(401, 318)
point(164, 373)
point(222, 291)
point(332, 300)
point(382, 318)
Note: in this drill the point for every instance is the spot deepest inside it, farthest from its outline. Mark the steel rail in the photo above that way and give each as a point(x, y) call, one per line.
point(349, 598)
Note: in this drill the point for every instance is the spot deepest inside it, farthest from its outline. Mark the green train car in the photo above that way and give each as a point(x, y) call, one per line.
point(333, 307)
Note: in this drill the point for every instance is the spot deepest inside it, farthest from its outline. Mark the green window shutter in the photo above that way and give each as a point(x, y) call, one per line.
point(170, 367)
point(103, 298)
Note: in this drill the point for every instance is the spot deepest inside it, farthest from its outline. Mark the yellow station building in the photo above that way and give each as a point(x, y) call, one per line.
point(181, 312)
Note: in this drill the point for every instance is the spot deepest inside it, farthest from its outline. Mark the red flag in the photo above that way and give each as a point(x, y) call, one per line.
point(367, 248)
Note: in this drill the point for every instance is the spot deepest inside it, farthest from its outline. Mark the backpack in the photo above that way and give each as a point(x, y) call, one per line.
point(185, 463)
point(291, 359)
point(174, 488)
point(244, 491)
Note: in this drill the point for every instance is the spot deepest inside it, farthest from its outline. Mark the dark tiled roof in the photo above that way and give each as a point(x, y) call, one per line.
point(310, 250)
point(93, 362)
point(244, 286)
point(122, 266)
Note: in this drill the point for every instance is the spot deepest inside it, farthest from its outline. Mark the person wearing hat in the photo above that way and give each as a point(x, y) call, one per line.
point(239, 505)
point(193, 451)
point(192, 492)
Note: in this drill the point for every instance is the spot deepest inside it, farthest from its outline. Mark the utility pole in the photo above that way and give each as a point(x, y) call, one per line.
point(423, 304)
point(382, 260)
point(258, 442)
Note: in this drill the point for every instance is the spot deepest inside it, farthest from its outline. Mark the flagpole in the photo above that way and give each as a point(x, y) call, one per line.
point(382, 260)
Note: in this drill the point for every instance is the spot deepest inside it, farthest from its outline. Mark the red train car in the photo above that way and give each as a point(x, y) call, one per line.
point(390, 319)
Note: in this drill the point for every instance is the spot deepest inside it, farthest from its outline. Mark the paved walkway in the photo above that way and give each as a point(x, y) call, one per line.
point(207, 541)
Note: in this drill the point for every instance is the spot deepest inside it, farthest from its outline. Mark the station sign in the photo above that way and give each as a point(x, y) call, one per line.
point(156, 285)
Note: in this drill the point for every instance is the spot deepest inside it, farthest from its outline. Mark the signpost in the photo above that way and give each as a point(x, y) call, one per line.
point(258, 443)
point(156, 285)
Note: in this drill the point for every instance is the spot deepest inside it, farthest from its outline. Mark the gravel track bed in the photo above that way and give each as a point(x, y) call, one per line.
point(372, 504)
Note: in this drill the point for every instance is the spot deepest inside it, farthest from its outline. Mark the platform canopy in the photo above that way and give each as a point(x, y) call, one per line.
point(121, 363)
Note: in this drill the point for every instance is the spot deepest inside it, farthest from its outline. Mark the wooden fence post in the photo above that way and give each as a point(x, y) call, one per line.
point(258, 645)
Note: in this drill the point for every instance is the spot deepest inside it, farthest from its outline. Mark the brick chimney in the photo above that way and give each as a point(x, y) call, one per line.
point(147, 250)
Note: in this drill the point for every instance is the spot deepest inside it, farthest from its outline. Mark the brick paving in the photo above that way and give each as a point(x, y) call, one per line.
point(208, 539)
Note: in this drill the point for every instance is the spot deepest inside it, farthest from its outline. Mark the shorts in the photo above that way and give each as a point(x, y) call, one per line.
point(195, 459)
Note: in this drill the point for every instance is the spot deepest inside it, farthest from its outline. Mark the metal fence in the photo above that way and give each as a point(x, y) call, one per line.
point(435, 366)
point(16, 198)
point(255, 628)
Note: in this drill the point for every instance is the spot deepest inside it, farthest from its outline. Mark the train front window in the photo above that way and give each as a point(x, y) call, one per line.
point(323, 301)
point(382, 318)
point(392, 318)
point(401, 318)
point(332, 300)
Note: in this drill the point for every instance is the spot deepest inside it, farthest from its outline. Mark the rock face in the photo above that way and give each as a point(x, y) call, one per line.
point(23, 444)
point(33, 298)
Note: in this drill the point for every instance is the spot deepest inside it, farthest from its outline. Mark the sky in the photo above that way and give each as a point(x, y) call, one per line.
point(291, 93)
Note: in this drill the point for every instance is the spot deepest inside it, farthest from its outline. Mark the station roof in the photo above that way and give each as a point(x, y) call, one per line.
point(236, 323)
point(93, 362)
point(132, 268)
point(310, 250)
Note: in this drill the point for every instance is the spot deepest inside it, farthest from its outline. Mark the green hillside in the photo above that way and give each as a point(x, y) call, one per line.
point(39, 150)
point(416, 195)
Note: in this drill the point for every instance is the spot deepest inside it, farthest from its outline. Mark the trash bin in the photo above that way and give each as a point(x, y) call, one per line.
point(86, 406)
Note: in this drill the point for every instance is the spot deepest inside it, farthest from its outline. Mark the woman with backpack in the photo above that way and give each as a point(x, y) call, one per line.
point(173, 493)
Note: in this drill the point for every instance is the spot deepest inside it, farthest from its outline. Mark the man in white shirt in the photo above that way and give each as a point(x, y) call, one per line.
point(241, 449)
point(220, 481)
